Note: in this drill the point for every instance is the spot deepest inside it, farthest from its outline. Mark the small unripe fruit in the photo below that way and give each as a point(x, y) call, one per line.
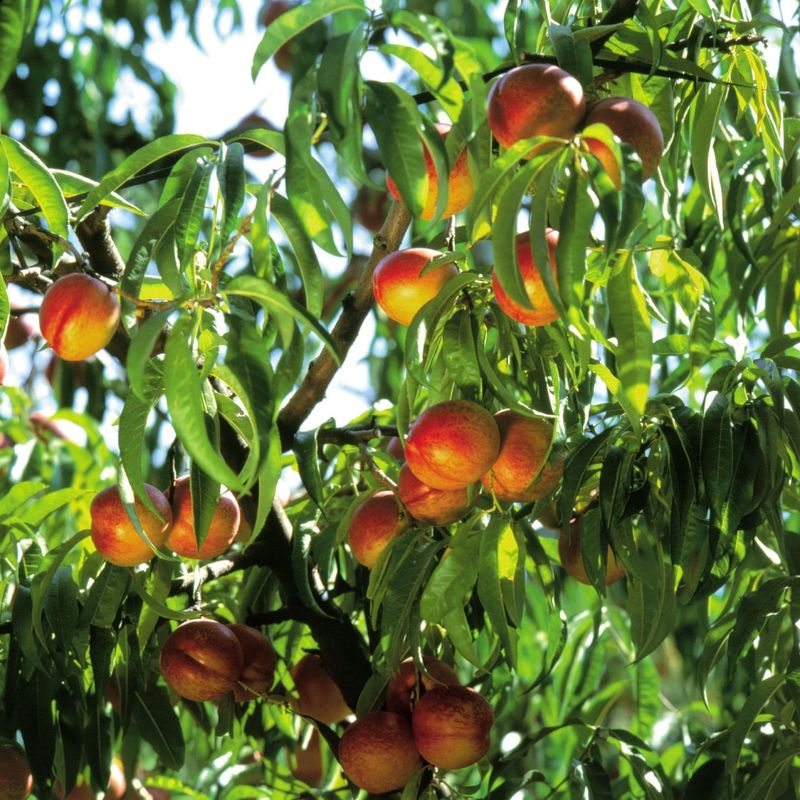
point(451, 444)
point(452, 726)
point(408, 684)
point(433, 506)
point(521, 473)
point(202, 660)
point(377, 521)
point(571, 557)
point(113, 533)
point(401, 288)
point(543, 311)
point(318, 696)
point(460, 185)
point(78, 316)
point(534, 100)
point(16, 780)
point(377, 752)
point(260, 660)
point(221, 532)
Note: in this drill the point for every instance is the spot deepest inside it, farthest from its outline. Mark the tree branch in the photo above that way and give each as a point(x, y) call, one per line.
point(94, 234)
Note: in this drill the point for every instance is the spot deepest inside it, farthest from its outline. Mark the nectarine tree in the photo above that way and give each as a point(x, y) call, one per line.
point(414, 586)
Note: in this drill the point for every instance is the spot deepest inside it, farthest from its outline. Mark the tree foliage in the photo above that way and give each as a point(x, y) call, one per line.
point(671, 378)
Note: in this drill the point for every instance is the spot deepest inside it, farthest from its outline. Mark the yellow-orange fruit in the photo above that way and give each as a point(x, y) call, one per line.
point(460, 185)
point(433, 506)
point(377, 752)
point(451, 444)
point(399, 286)
point(202, 660)
point(318, 696)
point(521, 473)
point(569, 553)
point(408, 684)
point(113, 533)
point(307, 766)
point(221, 532)
point(534, 100)
point(543, 311)
point(78, 316)
point(452, 726)
point(633, 123)
point(16, 780)
point(377, 521)
point(260, 660)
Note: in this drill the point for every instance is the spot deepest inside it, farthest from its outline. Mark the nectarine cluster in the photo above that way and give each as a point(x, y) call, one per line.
point(204, 660)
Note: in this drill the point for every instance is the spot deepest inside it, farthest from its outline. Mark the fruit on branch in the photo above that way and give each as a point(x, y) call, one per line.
point(377, 752)
point(370, 208)
point(260, 661)
point(318, 696)
point(408, 684)
point(16, 780)
point(78, 316)
point(535, 100)
point(451, 444)
point(202, 660)
point(82, 790)
point(3, 363)
point(377, 521)
point(543, 311)
point(18, 332)
point(633, 123)
point(451, 726)
point(433, 506)
point(114, 534)
point(395, 448)
point(270, 11)
point(571, 557)
point(460, 185)
point(221, 532)
point(307, 764)
point(401, 288)
point(522, 472)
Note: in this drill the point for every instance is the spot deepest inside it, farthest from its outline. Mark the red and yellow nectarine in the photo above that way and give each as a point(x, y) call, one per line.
point(260, 660)
point(433, 506)
point(16, 780)
point(377, 521)
point(318, 696)
point(408, 684)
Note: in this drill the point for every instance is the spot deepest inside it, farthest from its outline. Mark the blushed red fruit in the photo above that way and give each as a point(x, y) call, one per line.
point(633, 123)
point(451, 444)
point(377, 752)
point(433, 506)
point(377, 521)
point(260, 661)
point(221, 532)
point(535, 100)
point(522, 472)
point(569, 553)
point(271, 10)
point(307, 766)
point(16, 780)
point(543, 311)
point(78, 316)
point(202, 660)
point(401, 288)
point(452, 725)
point(3, 364)
point(460, 185)
point(408, 684)
point(318, 696)
point(113, 533)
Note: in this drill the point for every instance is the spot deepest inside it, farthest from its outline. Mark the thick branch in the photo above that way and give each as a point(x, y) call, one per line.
point(356, 307)
point(94, 234)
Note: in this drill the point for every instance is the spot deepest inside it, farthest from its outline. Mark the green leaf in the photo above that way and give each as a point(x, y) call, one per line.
point(12, 29)
point(717, 452)
point(73, 184)
point(105, 596)
point(205, 494)
point(191, 212)
point(652, 608)
point(140, 353)
point(452, 578)
point(231, 177)
point(771, 776)
point(61, 609)
point(297, 19)
point(573, 55)
point(306, 451)
point(574, 234)
point(705, 112)
point(158, 724)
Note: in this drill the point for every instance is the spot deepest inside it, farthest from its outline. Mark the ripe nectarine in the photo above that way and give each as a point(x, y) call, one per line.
point(408, 684)
point(221, 532)
point(202, 660)
point(535, 100)
point(433, 506)
point(522, 473)
point(16, 780)
point(318, 695)
point(460, 185)
point(451, 444)
point(377, 752)
point(451, 726)
point(401, 288)
point(113, 533)
point(543, 311)
point(78, 316)
point(377, 521)
point(571, 557)
point(260, 660)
